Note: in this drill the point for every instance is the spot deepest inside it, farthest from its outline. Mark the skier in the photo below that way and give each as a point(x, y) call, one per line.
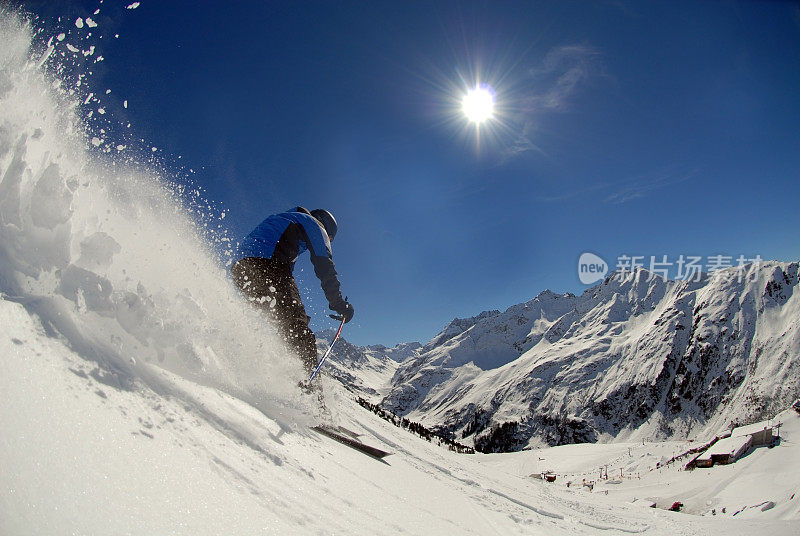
point(264, 273)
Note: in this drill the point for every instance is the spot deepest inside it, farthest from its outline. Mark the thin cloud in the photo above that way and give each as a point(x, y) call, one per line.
point(560, 75)
point(574, 193)
point(639, 188)
point(624, 191)
point(567, 69)
point(522, 144)
point(563, 72)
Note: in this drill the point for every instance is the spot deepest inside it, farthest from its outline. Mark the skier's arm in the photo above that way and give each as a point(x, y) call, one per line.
point(322, 259)
point(326, 272)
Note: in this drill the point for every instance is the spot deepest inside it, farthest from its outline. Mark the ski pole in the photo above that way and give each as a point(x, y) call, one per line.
point(328, 352)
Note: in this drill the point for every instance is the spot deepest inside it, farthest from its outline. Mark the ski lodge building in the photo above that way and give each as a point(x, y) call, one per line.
point(724, 451)
point(761, 432)
point(730, 448)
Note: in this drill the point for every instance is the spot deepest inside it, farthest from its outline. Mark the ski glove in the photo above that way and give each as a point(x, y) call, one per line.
point(346, 310)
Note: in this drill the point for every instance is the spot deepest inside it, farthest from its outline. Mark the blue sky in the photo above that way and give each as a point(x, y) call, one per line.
point(622, 128)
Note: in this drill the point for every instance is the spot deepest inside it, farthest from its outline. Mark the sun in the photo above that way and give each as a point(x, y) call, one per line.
point(478, 104)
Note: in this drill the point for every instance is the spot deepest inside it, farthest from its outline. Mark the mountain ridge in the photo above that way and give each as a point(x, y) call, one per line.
point(635, 357)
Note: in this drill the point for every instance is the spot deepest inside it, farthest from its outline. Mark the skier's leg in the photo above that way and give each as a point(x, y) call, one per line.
point(267, 289)
point(300, 335)
point(306, 345)
point(254, 277)
point(273, 290)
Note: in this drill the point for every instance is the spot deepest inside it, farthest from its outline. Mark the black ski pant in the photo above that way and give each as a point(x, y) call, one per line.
point(270, 286)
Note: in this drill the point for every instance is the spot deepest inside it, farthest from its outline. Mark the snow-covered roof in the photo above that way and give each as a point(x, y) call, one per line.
point(729, 446)
point(751, 429)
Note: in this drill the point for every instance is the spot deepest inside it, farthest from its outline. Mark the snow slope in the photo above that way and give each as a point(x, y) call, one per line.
point(642, 471)
point(82, 456)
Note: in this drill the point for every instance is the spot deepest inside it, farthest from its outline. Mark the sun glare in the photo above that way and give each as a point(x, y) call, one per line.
point(478, 104)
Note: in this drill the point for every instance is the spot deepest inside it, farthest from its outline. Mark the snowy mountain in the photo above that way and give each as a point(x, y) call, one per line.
point(633, 357)
point(363, 370)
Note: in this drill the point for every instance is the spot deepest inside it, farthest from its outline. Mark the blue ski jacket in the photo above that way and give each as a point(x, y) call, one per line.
point(284, 237)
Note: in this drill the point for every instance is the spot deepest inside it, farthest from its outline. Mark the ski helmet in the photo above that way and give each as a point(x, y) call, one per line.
point(327, 220)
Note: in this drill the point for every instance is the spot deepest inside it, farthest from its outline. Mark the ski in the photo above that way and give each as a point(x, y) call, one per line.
point(348, 438)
